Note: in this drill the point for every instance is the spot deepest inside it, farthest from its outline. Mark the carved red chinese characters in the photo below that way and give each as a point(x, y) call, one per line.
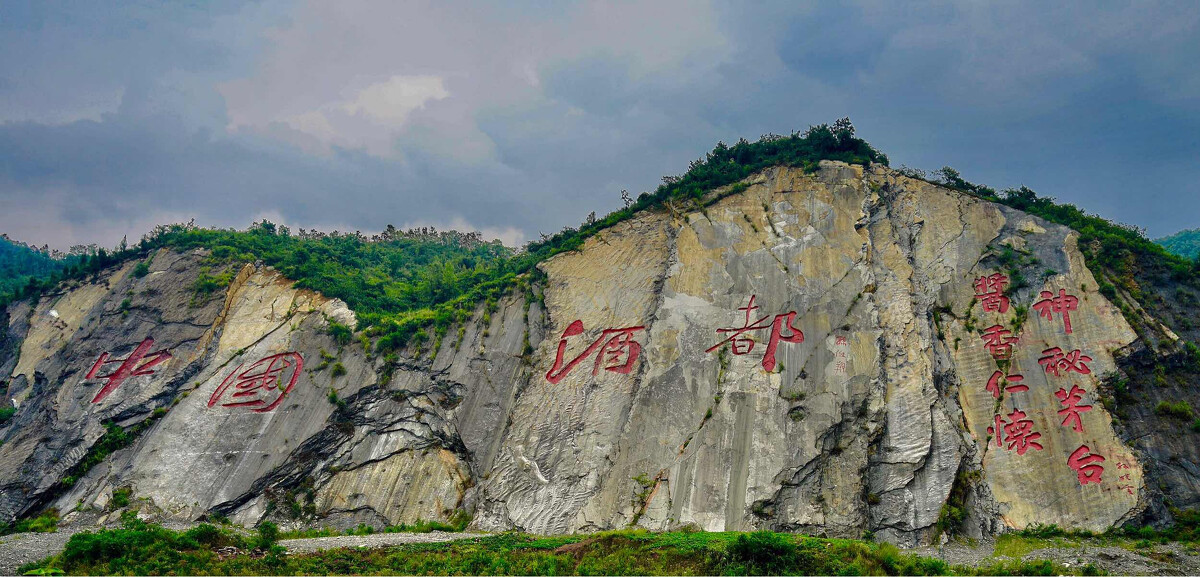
point(1062, 305)
point(998, 342)
point(615, 350)
point(741, 345)
point(260, 386)
point(1086, 465)
point(1071, 407)
point(129, 367)
point(1017, 432)
point(1056, 362)
point(993, 384)
point(990, 292)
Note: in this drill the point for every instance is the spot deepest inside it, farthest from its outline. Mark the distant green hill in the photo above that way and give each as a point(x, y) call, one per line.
point(20, 262)
point(1185, 243)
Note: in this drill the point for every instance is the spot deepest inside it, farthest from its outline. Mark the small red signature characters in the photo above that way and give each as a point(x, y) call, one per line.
point(129, 367)
point(998, 342)
point(262, 385)
point(1071, 407)
point(741, 345)
point(990, 292)
point(1062, 304)
point(1056, 362)
point(1086, 465)
point(993, 384)
point(617, 351)
point(1018, 432)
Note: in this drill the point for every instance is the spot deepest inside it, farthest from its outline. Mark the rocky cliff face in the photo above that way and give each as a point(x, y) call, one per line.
point(835, 352)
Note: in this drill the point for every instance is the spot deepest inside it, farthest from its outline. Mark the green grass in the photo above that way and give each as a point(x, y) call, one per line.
point(47, 522)
point(138, 548)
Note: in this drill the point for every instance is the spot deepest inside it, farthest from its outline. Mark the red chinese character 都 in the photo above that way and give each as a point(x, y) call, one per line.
point(616, 351)
point(1071, 407)
point(129, 367)
point(1056, 362)
point(997, 341)
point(262, 385)
point(993, 384)
point(1086, 465)
point(741, 345)
point(1062, 304)
point(990, 292)
point(1018, 432)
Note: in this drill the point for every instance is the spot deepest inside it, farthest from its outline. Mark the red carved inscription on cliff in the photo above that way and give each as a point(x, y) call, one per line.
point(260, 386)
point(138, 363)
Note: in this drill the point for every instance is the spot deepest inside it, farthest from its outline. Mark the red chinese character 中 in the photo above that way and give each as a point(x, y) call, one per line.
point(1062, 304)
point(129, 367)
point(1086, 465)
point(262, 385)
point(1018, 432)
point(993, 384)
point(1056, 362)
point(1071, 407)
point(990, 292)
point(997, 341)
point(615, 350)
point(741, 345)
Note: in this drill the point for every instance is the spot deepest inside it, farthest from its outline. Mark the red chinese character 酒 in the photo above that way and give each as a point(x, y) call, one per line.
point(1062, 304)
point(997, 341)
point(1085, 465)
point(1055, 361)
point(993, 384)
point(990, 292)
point(1018, 432)
point(262, 385)
point(127, 368)
point(1071, 407)
point(741, 345)
point(617, 351)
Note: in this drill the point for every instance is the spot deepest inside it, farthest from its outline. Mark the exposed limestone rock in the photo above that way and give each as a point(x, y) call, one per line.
point(635, 408)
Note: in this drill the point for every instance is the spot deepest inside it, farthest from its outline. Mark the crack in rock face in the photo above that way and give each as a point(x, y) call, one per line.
point(833, 352)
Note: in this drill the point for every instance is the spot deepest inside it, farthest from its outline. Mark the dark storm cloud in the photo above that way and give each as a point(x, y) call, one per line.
point(522, 120)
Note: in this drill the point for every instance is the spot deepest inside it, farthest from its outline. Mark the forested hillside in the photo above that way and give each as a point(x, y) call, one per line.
point(1185, 243)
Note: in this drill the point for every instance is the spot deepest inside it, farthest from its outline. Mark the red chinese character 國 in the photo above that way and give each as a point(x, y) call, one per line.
point(1062, 304)
point(617, 351)
point(262, 385)
point(997, 341)
point(1071, 407)
point(129, 367)
point(993, 384)
point(1056, 362)
point(1018, 432)
point(741, 345)
point(990, 292)
point(1086, 465)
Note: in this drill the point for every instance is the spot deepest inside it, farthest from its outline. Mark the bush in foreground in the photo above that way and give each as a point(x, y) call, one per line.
point(143, 549)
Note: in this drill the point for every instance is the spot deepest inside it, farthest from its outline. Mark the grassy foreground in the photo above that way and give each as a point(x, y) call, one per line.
point(143, 549)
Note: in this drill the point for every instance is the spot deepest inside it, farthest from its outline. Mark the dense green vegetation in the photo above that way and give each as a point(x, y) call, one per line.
point(19, 263)
point(1185, 243)
point(46, 522)
point(143, 549)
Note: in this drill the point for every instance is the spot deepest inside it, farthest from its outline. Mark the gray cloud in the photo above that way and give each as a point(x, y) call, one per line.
point(518, 121)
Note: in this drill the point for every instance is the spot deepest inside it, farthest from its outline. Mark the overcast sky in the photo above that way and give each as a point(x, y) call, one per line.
point(520, 118)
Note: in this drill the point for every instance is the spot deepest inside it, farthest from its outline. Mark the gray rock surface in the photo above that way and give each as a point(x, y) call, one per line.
point(634, 408)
